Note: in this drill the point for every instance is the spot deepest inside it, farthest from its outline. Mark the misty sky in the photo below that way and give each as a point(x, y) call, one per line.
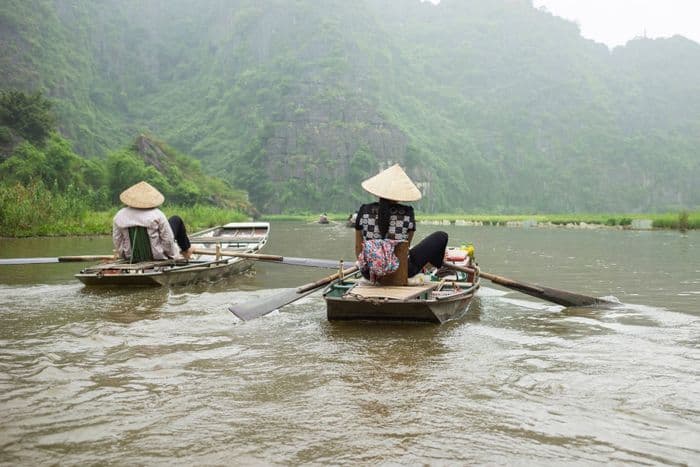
point(614, 22)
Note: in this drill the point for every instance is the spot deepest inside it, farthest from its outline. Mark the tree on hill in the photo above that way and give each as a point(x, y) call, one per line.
point(42, 156)
point(30, 115)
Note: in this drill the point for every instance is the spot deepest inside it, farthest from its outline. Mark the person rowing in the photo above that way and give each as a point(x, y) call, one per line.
point(167, 237)
point(385, 222)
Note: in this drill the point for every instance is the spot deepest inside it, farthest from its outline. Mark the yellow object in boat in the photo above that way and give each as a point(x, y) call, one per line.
point(469, 249)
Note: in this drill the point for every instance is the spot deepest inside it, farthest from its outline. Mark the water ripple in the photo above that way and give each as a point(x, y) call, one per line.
point(153, 376)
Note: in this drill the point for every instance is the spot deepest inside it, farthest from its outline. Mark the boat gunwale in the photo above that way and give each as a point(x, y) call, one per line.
point(469, 289)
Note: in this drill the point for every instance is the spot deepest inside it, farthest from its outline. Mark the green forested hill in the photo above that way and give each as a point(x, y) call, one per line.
point(491, 104)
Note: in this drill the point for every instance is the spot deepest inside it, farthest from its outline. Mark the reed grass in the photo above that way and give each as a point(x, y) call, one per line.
point(682, 221)
point(35, 211)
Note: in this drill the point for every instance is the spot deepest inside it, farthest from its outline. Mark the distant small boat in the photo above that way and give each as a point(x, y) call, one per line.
point(244, 237)
point(351, 220)
point(437, 300)
point(323, 219)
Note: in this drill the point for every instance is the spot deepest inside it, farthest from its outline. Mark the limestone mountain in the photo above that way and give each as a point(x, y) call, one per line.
point(492, 105)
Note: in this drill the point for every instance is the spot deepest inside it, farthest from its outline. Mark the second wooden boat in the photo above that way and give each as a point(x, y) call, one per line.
point(244, 237)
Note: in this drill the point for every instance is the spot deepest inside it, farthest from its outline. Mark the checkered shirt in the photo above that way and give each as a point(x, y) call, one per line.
point(401, 222)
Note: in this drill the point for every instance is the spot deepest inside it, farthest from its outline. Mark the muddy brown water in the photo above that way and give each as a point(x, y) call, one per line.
point(169, 376)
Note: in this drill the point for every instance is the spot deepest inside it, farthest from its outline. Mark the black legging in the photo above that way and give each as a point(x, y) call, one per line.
point(430, 250)
point(180, 232)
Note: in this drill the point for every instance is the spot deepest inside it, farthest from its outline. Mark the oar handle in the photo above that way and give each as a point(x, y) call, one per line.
point(326, 280)
point(72, 259)
point(310, 262)
point(504, 281)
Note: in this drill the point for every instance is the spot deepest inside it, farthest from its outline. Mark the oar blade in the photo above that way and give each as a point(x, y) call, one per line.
point(15, 261)
point(560, 297)
point(256, 309)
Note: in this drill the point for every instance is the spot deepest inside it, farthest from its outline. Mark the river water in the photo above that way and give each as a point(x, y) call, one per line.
point(169, 376)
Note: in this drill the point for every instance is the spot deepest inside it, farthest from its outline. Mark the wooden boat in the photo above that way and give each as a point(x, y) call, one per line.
point(244, 237)
point(436, 299)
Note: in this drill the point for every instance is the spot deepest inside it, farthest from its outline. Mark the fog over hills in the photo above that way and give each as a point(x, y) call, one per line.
point(492, 105)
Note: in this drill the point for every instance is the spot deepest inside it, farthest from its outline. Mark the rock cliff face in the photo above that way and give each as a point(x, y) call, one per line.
point(322, 141)
point(308, 151)
point(151, 153)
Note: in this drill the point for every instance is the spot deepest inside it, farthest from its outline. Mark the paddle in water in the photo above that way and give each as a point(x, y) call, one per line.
point(252, 310)
point(560, 297)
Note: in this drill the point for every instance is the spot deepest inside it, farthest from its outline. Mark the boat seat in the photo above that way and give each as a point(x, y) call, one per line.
point(400, 276)
point(126, 266)
point(140, 245)
point(401, 293)
point(226, 239)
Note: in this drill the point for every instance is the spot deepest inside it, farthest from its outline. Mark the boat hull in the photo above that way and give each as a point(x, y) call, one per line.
point(170, 277)
point(431, 311)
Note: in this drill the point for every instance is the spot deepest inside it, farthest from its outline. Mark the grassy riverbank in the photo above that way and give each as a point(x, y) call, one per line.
point(669, 220)
point(45, 219)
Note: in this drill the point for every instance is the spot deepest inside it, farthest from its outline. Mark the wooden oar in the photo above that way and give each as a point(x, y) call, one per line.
point(560, 297)
point(252, 310)
point(312, 262)
point(59, 259)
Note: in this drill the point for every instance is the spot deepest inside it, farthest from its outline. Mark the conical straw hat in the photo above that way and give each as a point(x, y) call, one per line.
point(142, 196)
point(393, 184)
